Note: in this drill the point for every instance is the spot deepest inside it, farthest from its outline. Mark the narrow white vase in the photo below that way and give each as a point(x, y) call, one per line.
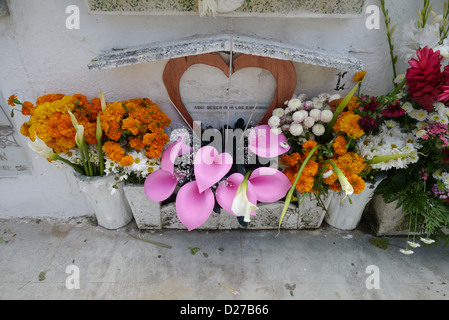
point(111, 209)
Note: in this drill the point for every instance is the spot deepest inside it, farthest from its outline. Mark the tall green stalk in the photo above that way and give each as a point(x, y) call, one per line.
point(390, 33)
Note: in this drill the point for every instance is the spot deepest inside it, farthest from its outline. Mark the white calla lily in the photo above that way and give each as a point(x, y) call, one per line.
point(241, 205)
point(42, 149)
point(345, 185)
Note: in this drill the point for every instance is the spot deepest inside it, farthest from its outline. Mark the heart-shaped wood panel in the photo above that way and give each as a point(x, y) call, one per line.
point(283, 72)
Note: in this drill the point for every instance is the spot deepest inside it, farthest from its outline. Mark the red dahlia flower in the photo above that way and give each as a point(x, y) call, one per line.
point(424, 78)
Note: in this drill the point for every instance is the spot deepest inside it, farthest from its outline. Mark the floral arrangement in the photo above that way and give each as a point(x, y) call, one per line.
point(219, 180)
point(124, 138)
point(421, 123)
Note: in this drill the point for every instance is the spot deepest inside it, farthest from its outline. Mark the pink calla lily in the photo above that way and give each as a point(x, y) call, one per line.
point(267, 144)
point(170, 154)
point(264, 185)
point(194, 207)
point(227, 191)
point(211, 167)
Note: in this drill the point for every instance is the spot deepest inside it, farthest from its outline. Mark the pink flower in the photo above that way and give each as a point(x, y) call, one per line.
point(264, 185)
point(195, 201)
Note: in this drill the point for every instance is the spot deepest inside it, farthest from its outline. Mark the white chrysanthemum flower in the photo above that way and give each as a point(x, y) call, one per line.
point(318, 130)
point(435, 117)
point(324, 96)
point(420, 115)
point(276, 131)
point(327, 116)
point(274, 122)
point(296, 129)
point(439, 107)
point(317, 103)
point(279, 112)
point(309, 122)
point(413, 244)
point(315, 114)
point(408, 107)
point(308, 105)
point(391, 123)
point(406, 252)
point(334, 97)
point(421, 125)
point(421, 133)
point(302, 97)
point(299, 116)
point(427, 241)
point(294, 104)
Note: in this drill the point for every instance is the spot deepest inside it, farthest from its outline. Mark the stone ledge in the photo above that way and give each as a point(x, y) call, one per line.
point(153, 215)
point(196, 45)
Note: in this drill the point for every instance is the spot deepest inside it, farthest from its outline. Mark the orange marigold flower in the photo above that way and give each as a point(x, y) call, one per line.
point(357, 183)
point(114, 151)
point(127, 161)
point(359, 76)
point(351, 163)
point(49, 98)
point(349, 124)
point(11, 100)
point(27, 108)
point(311, 169)
point(339, 146)
point(290, 160)
point(131, 124)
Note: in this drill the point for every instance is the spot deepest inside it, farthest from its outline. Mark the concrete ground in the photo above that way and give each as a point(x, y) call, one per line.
point(45, 259)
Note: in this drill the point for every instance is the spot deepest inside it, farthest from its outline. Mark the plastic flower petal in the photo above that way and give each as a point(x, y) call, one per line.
point(266, 144)
point(194, 207)
point(160, 185)
point(210, 167)
point(42, 149)
point(227, 191)
point(241, 205)
point(175, 150)
point(270, 184)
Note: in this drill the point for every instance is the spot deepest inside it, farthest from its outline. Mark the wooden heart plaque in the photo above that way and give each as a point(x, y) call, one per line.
point(283, 71)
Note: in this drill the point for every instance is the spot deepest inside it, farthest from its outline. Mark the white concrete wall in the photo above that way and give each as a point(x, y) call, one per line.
point(39, 55)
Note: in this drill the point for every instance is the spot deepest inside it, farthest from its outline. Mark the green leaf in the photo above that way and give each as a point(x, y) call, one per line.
point(193, 251)
point(1, 240)
point(381, 243)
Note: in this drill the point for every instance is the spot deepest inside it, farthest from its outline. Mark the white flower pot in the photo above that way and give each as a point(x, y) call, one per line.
point(346, 216)
point(111, 210)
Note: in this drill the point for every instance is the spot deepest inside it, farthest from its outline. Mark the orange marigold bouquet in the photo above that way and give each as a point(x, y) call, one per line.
point(125, 138)
point(136, 138)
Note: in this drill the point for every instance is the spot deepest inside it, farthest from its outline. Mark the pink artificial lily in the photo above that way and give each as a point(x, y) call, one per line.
point(195, 201)
point(267, 144)
point(264, 185)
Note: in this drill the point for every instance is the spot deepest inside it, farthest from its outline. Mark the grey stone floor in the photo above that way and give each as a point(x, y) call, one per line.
point(36, 257)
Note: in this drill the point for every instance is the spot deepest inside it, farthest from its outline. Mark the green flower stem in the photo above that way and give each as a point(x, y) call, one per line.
point(100, 157)
point(86, 153)
point(83, 160)
point(289, 197)
point(380, 159)
point(74, 166)
point(339, 110)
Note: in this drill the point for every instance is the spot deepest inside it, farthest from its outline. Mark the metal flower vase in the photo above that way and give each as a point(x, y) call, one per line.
point(111, 208)
point(346, 215)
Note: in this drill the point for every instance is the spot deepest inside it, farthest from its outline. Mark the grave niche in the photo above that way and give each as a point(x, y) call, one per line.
point(217, 89)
